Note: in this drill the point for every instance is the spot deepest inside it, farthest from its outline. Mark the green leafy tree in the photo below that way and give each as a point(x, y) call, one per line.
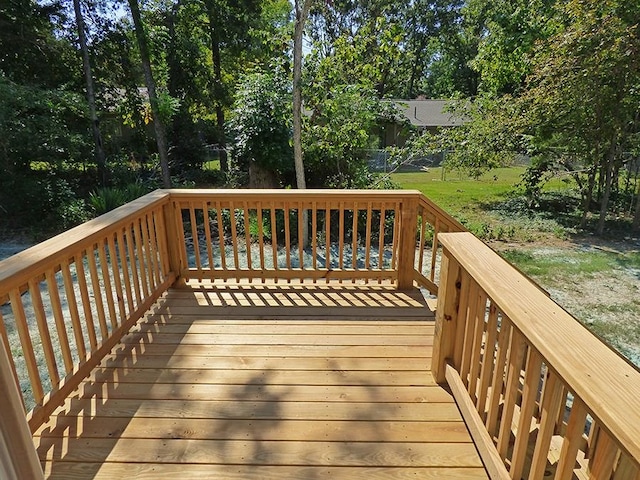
point(261, 130)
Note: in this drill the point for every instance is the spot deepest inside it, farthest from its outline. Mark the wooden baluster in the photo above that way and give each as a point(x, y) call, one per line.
point(161, 235)
point(367, 236)
point(314, 238)
point(397, 217)
point(626, 469)
point(301, 239)
point(572, 440)
point(327, 218)
point(602, 462)
point(498, 377)
point(476, 350)
point(381, 233)
point(121, 265)
point(354, 240)
point(5, 341)
point(274, 237)
point(423, 234)
point(287, 237)
point(529, 396)
point(207, 234)
point(516, 357)
point(154, 250)
point(137, 261)
point(147, 250)
point(434, 249)
point(106, 278)
point(86, 302)
point(97, 292)
point(73, 309)
point(27, 346)
point(552, 402)
point(61, 329)
point(194, 237)
point(234, 237)
point(469, 319)
point(341, 238)
point(461, 324)
point(488, 359)
point(261, 238)
point(223, 250)
point(182, 244)
point(43, 329)
point(247, 233)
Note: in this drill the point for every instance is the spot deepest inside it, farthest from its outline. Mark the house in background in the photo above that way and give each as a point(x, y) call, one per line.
point(419, 115)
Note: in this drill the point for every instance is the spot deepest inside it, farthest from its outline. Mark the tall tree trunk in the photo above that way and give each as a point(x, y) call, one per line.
point(606, 193)
point(91, 96)
point(158, 125)
point(218, 90)
point(636, 214)
point(301, 12)
point(588, 197)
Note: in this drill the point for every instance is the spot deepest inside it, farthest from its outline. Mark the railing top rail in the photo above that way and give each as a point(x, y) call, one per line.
point(453, 224)
point(608, 385)
point(307, 194)
point(16, 271)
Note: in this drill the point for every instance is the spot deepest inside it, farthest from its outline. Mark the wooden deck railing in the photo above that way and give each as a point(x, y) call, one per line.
point(539, 392)
point(350, 235)
point(66, 302)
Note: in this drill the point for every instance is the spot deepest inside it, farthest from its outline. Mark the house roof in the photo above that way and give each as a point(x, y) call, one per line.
point(427, 113)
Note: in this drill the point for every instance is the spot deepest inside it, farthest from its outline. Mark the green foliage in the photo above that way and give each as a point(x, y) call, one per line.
point(106, 199)
point(260, 123)
point(335, 139)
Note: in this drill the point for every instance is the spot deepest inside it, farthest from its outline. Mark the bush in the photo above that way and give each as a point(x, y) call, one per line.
point(104, 200)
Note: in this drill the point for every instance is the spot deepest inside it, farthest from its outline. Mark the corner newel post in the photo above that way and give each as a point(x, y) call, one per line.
point(446, 316)
point(170, 212)
point(407, 242)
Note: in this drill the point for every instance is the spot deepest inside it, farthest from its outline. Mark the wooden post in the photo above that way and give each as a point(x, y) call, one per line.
point(169, 212)
point(18, 457)
point(446, 316)
point(407, 242)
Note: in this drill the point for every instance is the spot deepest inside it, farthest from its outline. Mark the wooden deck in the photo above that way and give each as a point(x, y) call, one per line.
point(263, 382)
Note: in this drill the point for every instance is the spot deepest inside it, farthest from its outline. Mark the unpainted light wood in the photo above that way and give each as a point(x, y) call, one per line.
point(492, 461)
point(602, 463)
point(43, 330)
point(18, 458)
point(462, 312)
point(86, 303)
point(529, 396)
point(119, 267)
point(446, 318)
point(498, 378)
point(488, 359)
point(596, 374)
point(552, 404)
point(572, 440)
point(27, 345)
point(406, 243)
point(72, 304)
point(61, 330)
point(97, 292)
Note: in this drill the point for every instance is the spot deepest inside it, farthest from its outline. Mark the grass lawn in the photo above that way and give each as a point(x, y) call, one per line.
point(492, 206)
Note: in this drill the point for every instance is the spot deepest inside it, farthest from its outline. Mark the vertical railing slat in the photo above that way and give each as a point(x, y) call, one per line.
point(529, 395)
point(551, 406)
point(274, 237)
point(260, 237)
point(73, 309)
point(572, 440)
point(27, 345)
point(140, 257)
point(118, 266)
point(497, 379)
point(207, 234)
point(61, 329)
point(221, 239)
point(43, 329)
point(367, 237)
point(147, 251)
point(154, 250)
point(86, 303)
point(516, 357)
point(301, 239)
point(106, 278)
point(97, 292)
point(234, 237)
point(247, 233)
point(488, 359)
point(5, 341)
point(354, 239)
point(476, 350)
point(314, 237)
point(434, 249)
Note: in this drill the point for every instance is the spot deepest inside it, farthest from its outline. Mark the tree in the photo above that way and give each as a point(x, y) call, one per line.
point(261, 129)
point(158, 124)
point(301, 12)
point(91, 97)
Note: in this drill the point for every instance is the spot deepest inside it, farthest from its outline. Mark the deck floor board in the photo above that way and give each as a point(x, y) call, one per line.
point(266, 381)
